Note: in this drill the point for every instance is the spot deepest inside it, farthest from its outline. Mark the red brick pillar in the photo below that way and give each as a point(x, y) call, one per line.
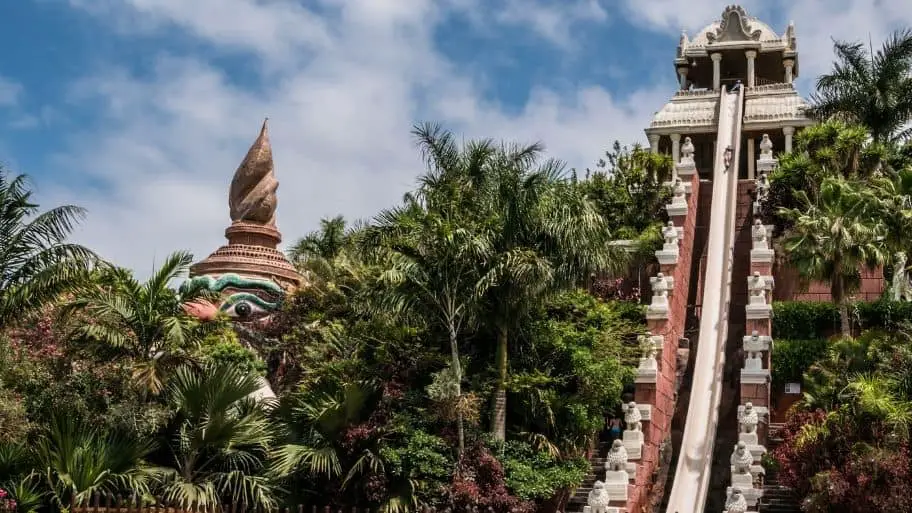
point(666, 316)
point(753, 412)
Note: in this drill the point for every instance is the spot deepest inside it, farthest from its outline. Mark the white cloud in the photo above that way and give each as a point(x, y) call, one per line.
point(552, 21)
point(342, 86)
point(10, 92)
point(167, 145)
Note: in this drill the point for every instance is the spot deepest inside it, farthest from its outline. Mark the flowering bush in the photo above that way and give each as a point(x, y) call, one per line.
point(838, 465)
point(616, 289)
point(7, 503)
point(479, 482)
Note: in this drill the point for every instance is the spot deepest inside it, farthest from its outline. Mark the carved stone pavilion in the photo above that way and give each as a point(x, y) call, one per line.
point(249, 272)
point(736, 48)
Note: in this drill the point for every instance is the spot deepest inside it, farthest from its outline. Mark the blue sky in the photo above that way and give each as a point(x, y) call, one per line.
point(141, 109)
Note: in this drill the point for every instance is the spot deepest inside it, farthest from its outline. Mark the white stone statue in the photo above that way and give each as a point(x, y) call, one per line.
point(766, 148)
point(632, 417)
point(660, 289)
point(679, 191)
point(759, 235)
point(727, 157)
point(901, 284)
point(757, 289)
point(617, 457)
point(736, 503)
point(741, 459)
point(748, 419)
point(598, 498)
point(687, 152)
point(670, 233)
point(753, 362)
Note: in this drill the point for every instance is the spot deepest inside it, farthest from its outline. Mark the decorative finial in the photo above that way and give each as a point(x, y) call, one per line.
point(252, 197)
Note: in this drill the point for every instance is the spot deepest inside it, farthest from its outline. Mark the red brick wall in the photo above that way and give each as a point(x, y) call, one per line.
point(787, 286)
point(661, 395)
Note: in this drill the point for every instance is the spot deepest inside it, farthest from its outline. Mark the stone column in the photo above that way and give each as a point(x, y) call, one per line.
point(788, 131)
point(654, 143)
point(717, 70)
point(751, 78)
point(751, 154)
point(682, 77)
point(676, 147)
point(789, 66)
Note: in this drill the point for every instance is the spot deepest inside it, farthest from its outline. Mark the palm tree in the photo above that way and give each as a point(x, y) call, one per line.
point(77, 460)
point(222, 439)
point(315, 422)
point(324, 244)
point(36, 264)
point(433, 268)
point(434, 243)
point(547, 237)
point(143, 321)
point(832, 236)
point(873, 89)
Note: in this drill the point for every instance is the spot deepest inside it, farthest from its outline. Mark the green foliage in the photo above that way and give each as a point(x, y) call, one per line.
point(476, 272)
point(580, 354)
point(869, 88)
point(830, 150)
point(792, 358)
point(808, 320)
point(804, 320)
point(221, 439)
point(422, 458)
point(79, 460)
point(141, 321)
point(628, 188)
point(36, 262)
point(223, 347)
point(14, 422)
point(832, 237)
point(537, 475)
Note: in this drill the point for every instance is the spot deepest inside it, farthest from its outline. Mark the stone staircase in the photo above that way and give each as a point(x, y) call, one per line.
point(596, 472)
point(776, 498)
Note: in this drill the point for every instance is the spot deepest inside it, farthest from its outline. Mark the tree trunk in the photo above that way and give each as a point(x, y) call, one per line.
point(457, 373)
point(838, 291)
point(499, 418)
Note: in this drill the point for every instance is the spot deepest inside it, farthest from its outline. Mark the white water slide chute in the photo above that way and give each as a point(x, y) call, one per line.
point(692, 476)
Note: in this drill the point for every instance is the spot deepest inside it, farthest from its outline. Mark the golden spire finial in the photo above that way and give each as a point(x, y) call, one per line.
point(252, 196)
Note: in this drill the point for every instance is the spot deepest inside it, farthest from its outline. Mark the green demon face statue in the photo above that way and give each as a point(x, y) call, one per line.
point(241, 298)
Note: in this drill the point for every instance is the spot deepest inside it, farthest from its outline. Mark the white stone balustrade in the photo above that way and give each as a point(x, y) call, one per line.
point(748, 420)
point(744, 471)
point(686, 167)
point(600, 497)
point(648, 370)
point(632, 438)
point(754, 347)
point(670, 251)
point(761, 252)
point(662, 286)
point(767, 162)
point(678, 205)
point(736, 502)
point(618, 471)
point(759, 288)
point(750, 438)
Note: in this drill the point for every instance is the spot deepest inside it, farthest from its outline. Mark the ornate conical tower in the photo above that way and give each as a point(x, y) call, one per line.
point(251, 274)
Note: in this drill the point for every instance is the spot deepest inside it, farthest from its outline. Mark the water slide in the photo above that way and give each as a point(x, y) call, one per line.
point(692, 476)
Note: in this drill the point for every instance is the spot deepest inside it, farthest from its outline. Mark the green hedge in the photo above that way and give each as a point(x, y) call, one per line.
point(804, 320)
point(792, 358)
